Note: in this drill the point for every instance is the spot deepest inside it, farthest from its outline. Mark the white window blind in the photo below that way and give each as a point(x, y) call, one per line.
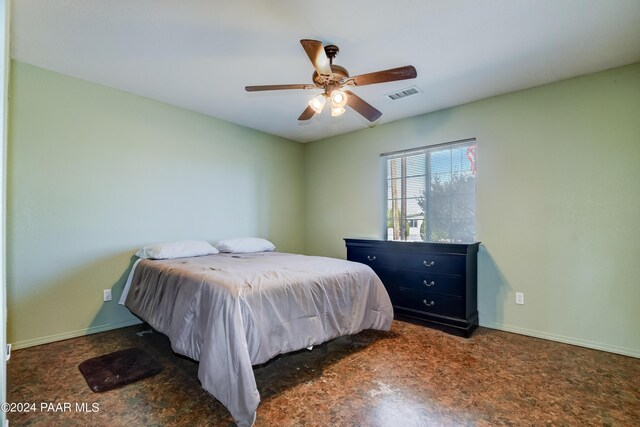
point(431, 193)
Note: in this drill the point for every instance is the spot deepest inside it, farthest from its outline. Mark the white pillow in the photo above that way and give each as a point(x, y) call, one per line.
point(179, 249)
point(245, 245)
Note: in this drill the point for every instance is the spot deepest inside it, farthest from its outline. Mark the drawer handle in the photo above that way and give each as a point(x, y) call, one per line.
point(431, 264)
point(428, 284)
point(428, 304)
point(371, 258)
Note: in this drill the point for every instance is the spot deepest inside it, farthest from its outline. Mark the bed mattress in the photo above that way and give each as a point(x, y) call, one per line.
point(231, 312)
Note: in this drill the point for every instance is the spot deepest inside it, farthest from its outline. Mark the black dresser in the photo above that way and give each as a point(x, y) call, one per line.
point(434, 284)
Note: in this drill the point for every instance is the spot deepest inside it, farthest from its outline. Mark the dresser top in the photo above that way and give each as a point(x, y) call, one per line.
point(413, 246)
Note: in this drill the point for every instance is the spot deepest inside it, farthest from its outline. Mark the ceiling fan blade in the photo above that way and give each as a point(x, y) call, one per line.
point(315, 52)
point(278, 87)
point(401, 73)
point(362, 107)
point(307, 113)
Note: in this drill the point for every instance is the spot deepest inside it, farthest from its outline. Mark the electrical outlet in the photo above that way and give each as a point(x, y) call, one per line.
point(107, 294)
point(519, 297)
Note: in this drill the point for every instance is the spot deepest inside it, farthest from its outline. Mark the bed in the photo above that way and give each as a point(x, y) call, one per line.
point(230, 312)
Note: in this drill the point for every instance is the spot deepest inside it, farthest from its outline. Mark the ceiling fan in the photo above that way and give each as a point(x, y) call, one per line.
point(333, 79)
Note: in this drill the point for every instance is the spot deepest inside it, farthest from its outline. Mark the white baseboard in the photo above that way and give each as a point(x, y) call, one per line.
point(564, 339)
point(72, 334)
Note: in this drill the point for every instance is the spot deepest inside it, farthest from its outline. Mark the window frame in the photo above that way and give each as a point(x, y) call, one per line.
point(384, 157)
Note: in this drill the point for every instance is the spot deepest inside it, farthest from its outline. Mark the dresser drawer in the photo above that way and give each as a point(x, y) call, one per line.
point(432, 263)
point(430, 303)
point(371, 257)
point(429, 282)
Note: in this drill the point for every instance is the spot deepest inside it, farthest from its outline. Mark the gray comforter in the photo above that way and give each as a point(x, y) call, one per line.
point(234, 311)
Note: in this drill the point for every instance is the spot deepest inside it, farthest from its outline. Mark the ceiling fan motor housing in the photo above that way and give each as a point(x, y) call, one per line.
point(337, 73)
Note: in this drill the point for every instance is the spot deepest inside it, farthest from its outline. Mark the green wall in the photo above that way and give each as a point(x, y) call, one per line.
point(558, 203)
point(95, 173)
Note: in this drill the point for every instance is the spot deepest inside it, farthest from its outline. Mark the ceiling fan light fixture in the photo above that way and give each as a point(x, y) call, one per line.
point(317, 103)
point(338, 99)
point(337, 111)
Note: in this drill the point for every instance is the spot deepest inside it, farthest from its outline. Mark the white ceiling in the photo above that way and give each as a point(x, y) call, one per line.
point(199, 54)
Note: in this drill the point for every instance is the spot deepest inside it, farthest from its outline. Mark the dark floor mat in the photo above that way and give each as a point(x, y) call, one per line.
point(117, 369)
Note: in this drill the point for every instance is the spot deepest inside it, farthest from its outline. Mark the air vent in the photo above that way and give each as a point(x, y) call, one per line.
point(413, 90)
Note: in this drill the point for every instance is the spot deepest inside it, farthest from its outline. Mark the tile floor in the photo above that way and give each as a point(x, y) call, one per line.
point(410, 376)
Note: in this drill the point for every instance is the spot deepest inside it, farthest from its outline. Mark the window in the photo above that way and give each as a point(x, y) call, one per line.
point(431, 193)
